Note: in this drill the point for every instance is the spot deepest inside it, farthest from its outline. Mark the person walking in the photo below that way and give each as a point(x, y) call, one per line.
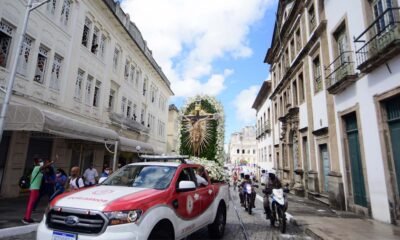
point(48, 183)
point(35, 183)
point(61, 180)
point(90, 176)
point(76, 181)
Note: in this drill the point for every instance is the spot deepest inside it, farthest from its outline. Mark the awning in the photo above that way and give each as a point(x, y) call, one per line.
point(28, 118)
point(130, 145)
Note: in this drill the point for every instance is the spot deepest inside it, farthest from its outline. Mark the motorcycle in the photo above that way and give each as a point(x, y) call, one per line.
point(248, 200)
point(278, 205)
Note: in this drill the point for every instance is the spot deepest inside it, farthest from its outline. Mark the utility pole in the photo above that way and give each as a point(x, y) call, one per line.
point(29, 8)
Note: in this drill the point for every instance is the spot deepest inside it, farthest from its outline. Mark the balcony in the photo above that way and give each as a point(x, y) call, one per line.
point(341, 73)
point(120, 120)
point(379, 42)
point(267, 127)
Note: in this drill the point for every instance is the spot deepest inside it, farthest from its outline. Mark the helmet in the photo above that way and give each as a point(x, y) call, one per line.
point(272, 171)
point(247, 176)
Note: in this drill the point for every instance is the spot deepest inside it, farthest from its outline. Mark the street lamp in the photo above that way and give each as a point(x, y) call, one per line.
point(29, 8)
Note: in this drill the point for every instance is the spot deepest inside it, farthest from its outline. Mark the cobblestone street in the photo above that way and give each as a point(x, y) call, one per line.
point(256, 227)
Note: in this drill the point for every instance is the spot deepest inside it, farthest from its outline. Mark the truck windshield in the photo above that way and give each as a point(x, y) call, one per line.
point(155, 177)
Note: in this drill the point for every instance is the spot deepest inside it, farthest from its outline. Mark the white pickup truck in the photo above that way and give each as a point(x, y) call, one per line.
point(146, 200)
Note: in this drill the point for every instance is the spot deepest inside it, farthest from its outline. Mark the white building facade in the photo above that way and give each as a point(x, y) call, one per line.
point(242, 148)
point(264, 134)
point(85, 80)
point(364, 43)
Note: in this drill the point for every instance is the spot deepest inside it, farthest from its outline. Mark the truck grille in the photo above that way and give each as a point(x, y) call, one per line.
point(76, 221)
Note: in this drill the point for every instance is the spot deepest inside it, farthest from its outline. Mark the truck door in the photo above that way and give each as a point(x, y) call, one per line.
point(206, 197)
point(187, 204)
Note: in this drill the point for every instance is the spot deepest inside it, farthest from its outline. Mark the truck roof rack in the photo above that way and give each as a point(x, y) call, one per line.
point(159, 158)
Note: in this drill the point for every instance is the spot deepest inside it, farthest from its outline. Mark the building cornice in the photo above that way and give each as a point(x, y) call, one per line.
point(136, 36)
point(262, 95)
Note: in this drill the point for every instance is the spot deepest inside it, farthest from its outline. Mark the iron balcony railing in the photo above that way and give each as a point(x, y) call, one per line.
point(267, 127)
point(340, 68)
point(382, 32)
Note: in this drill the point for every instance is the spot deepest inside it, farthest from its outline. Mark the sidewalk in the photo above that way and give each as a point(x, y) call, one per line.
point(12, 211)
point(320, 222)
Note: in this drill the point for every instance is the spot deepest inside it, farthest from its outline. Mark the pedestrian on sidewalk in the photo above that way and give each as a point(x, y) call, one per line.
point(90, 175)
point(47, 187)
point(76, 181)
point(61, 180)
point(35, 183)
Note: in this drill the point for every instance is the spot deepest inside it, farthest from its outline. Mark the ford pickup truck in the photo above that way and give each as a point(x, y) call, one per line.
point(144, 200)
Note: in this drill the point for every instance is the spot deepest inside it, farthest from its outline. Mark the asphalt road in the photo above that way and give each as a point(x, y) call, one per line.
point(240, 226)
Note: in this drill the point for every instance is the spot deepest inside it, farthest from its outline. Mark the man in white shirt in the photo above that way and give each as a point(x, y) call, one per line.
point(90, 176)
point(201, 181)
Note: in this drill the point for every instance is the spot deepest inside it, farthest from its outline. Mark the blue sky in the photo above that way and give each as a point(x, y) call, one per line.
point(215, 47)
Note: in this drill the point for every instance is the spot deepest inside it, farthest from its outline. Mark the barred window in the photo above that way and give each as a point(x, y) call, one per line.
point(126, 71)
point(111, 99)
point(115, 58)
point(96, 95)
point(65, 11)
point(123, 105)
point(24, 54)
point(41, 64)
point(88, 90)
point(78, 84)
point(6, 33)
point(86, 32)
point(103, 45)
point(95, 40)
point(55, 72)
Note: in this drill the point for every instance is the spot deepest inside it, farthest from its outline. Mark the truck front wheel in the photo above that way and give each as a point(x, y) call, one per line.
point(163, 230)
point(217, 228)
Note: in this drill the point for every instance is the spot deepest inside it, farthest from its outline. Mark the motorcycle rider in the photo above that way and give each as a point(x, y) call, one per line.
point(273, 183)
point(245, 181)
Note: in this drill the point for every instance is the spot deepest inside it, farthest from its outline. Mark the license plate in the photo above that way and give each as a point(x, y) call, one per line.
point(63, 236)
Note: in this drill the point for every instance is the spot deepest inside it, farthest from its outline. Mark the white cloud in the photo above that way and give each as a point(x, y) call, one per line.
point(187, 36)
point(243, 103)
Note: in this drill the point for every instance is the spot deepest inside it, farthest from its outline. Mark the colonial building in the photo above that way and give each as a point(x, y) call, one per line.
point(363, 77)
point(242, 147)
point(303, 117)
point(173, 130)
point(264, 134)
point(336, 102)
point(86, 82)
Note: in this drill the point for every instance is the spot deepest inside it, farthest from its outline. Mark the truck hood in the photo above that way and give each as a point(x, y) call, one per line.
point(98, 198)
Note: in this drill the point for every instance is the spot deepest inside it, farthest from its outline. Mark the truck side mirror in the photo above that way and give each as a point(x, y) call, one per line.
point(186, 186)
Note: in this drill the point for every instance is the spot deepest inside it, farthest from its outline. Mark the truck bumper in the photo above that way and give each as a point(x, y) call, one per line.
point(129, 231)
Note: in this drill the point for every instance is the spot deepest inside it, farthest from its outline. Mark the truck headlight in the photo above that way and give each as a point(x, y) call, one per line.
point(121, 217)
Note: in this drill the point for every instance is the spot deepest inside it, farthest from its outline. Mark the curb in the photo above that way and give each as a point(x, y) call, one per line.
point(13, 231)
point(313, 235)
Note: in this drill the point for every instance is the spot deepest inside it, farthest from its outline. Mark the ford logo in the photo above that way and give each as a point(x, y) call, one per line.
point(71, 220)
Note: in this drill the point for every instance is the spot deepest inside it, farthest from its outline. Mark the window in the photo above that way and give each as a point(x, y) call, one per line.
point(298, 41)
point(24, 54)
point(144, 86)
point(88, 90)
point(6, 32)
point(78, 84)
point(115, 58)
point(129, 109)
point(254, 151)
point(134, 111)
point(243, 151)
point(237, 151)
point(41, 64)
point(132, 74)
point(55, 72)
point(138, 76)
point(311, 18)
point(96, 96)
point(301, 87)
point(86, 32)
point(142, 114)
point(294, 89)
point(102, 45)
point(123, 105)
point(292, 51)
point(126, 71)
point(65, 11)
point(51, 6)
point(380, 7)
point(111, 99)
point(317, 74)
point(95, 41)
